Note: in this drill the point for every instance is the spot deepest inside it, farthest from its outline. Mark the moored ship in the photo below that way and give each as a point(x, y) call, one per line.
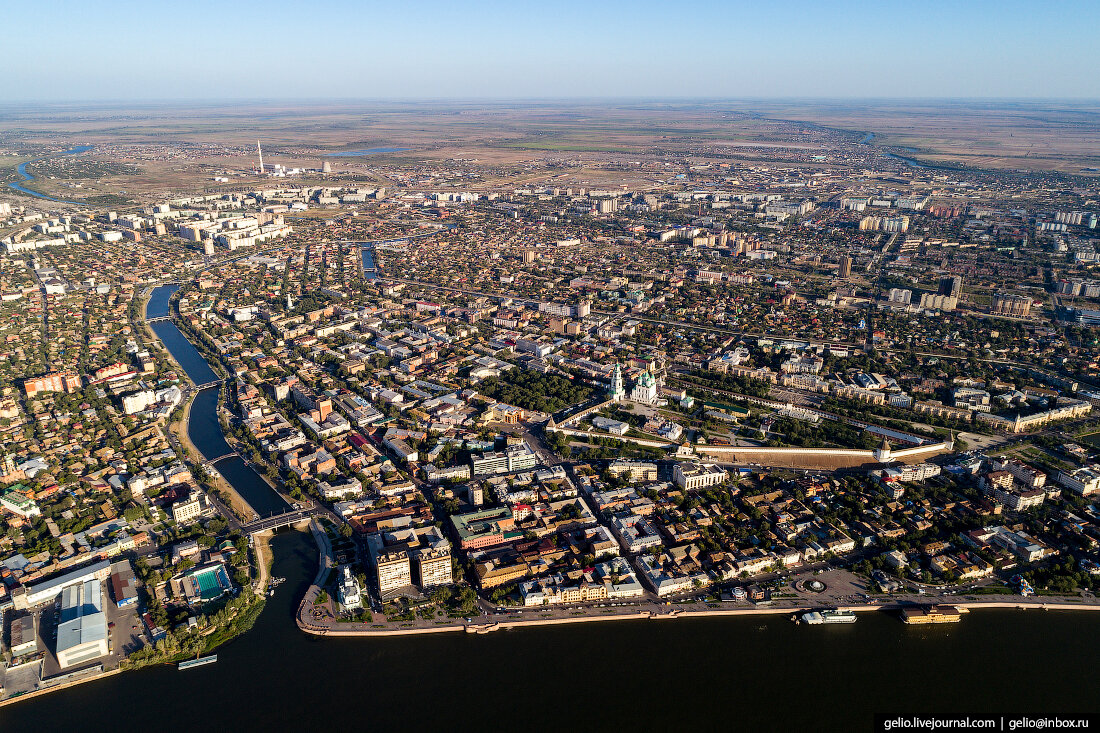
point(937, 614)
point(813, 618)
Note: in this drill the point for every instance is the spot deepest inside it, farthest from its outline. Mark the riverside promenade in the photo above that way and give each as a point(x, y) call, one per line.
point(844, 591)
point(644, 611)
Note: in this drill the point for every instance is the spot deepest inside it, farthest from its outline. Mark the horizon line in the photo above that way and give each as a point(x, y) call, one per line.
point(537, 99)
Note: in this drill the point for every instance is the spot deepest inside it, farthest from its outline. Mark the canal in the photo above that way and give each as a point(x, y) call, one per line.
point(203, 428)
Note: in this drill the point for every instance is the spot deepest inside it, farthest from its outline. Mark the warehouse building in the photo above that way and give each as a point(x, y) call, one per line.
point(82, 625)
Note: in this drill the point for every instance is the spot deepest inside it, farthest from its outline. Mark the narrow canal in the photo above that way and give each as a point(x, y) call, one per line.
point(203, 427)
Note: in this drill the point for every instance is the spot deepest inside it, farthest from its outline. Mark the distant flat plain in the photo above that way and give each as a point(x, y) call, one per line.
point(177, 146)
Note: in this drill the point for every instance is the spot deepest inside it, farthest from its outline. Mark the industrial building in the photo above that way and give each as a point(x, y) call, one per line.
point(50, 589)
point(82, 625)
point(123, 584)
point(23, 638)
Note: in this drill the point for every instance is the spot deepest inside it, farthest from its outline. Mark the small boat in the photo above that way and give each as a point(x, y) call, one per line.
point(198, 662)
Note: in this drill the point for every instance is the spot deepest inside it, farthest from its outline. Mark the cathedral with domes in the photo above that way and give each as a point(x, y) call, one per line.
point(645, 389)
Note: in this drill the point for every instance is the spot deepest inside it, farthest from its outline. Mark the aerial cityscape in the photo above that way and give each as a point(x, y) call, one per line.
point(396, 410)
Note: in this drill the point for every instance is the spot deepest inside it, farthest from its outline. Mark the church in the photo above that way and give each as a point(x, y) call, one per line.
point(645, 389)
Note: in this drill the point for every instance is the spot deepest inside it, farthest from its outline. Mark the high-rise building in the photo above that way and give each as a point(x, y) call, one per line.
point(901, 295)
point(928, 301)
point(1008, 304)
point(393, 571)
point(951, 285)
point(434, 567)
point(845, 266)
point(528, 256)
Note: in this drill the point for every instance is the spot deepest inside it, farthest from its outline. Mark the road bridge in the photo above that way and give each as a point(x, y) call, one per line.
point(277, 521)
point(207, 385)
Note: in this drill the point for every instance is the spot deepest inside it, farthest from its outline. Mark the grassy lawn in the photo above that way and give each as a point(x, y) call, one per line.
point(1092, 439)
point(993, 590)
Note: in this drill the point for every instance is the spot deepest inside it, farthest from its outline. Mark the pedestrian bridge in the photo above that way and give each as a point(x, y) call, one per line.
point(210, 463)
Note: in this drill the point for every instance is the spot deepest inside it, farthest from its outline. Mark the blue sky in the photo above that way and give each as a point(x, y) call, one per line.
point(65, 50)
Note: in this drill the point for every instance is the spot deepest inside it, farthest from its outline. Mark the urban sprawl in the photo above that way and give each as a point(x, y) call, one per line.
point(824, 382)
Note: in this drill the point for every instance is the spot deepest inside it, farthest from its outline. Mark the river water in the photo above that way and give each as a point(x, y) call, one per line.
point(757, 674)
point(21, 169)
point(203, 428)
point(745, 673)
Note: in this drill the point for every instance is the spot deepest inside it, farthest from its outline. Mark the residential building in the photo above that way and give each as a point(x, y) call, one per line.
point(434, 566)
point(394, 571)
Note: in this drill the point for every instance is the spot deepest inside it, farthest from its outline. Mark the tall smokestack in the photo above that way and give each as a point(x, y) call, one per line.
point(260, 153)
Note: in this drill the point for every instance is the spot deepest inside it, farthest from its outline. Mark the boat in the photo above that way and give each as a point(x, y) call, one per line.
point(198, 662)
point(839, 617)
point(831, 616)
point(938, 614)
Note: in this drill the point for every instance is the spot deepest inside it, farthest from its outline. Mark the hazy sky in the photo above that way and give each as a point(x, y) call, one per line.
point(239, 49)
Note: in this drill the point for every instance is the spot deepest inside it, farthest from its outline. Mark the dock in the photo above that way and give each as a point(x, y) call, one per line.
point(190, 663)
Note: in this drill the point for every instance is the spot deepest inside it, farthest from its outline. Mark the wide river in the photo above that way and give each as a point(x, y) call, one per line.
point(744, 673)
